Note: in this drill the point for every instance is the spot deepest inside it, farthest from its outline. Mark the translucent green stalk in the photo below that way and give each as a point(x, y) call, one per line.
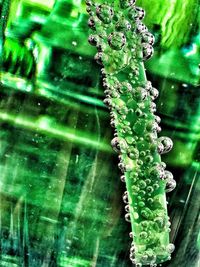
point(123, 42)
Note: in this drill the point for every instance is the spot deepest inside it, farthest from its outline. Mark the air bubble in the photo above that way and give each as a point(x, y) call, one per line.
point(115, 143)
point(127, 208)
point(170, 186)
point(150, 201)
point(123, 178)
point(168, 175)
point(140, 13)
point(133, 153)
point(152, 107)
point(88, 2)
point(148, 86)
point(124, 87)
point(159, 222)
point(91, 23)
point(141, 28)
point(135, 189)
point(157, 119)
point(123, 25)
point(125, 197)
point(116, 40)
point(140, 94)
point(170, 248)
point(122, 167)
point(149, 158)
point(132, 249)
point(147, 37)
point(128, 217)
point(147, 213)
point(149, 189)
point(154, 93)
point(157, 172)
point(99, 58)
point(142, 184)
point(127, 3)
point(160, 148)
point(141, 204)
point(167, 143)
point(93, 39)
point(147, 51)
point(105, 13)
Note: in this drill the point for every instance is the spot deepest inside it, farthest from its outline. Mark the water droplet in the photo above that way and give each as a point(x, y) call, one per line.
point(132, 258)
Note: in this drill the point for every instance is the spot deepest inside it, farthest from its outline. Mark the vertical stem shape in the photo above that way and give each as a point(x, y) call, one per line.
point(123, 42)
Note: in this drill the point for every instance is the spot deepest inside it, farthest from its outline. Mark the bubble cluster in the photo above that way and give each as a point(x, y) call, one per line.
point(123, 43)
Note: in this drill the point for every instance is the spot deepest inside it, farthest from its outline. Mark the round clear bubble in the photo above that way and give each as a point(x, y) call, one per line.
point(105, 13)
point(117, 40)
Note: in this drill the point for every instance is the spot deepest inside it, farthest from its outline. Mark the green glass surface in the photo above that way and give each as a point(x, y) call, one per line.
point(60, 191)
